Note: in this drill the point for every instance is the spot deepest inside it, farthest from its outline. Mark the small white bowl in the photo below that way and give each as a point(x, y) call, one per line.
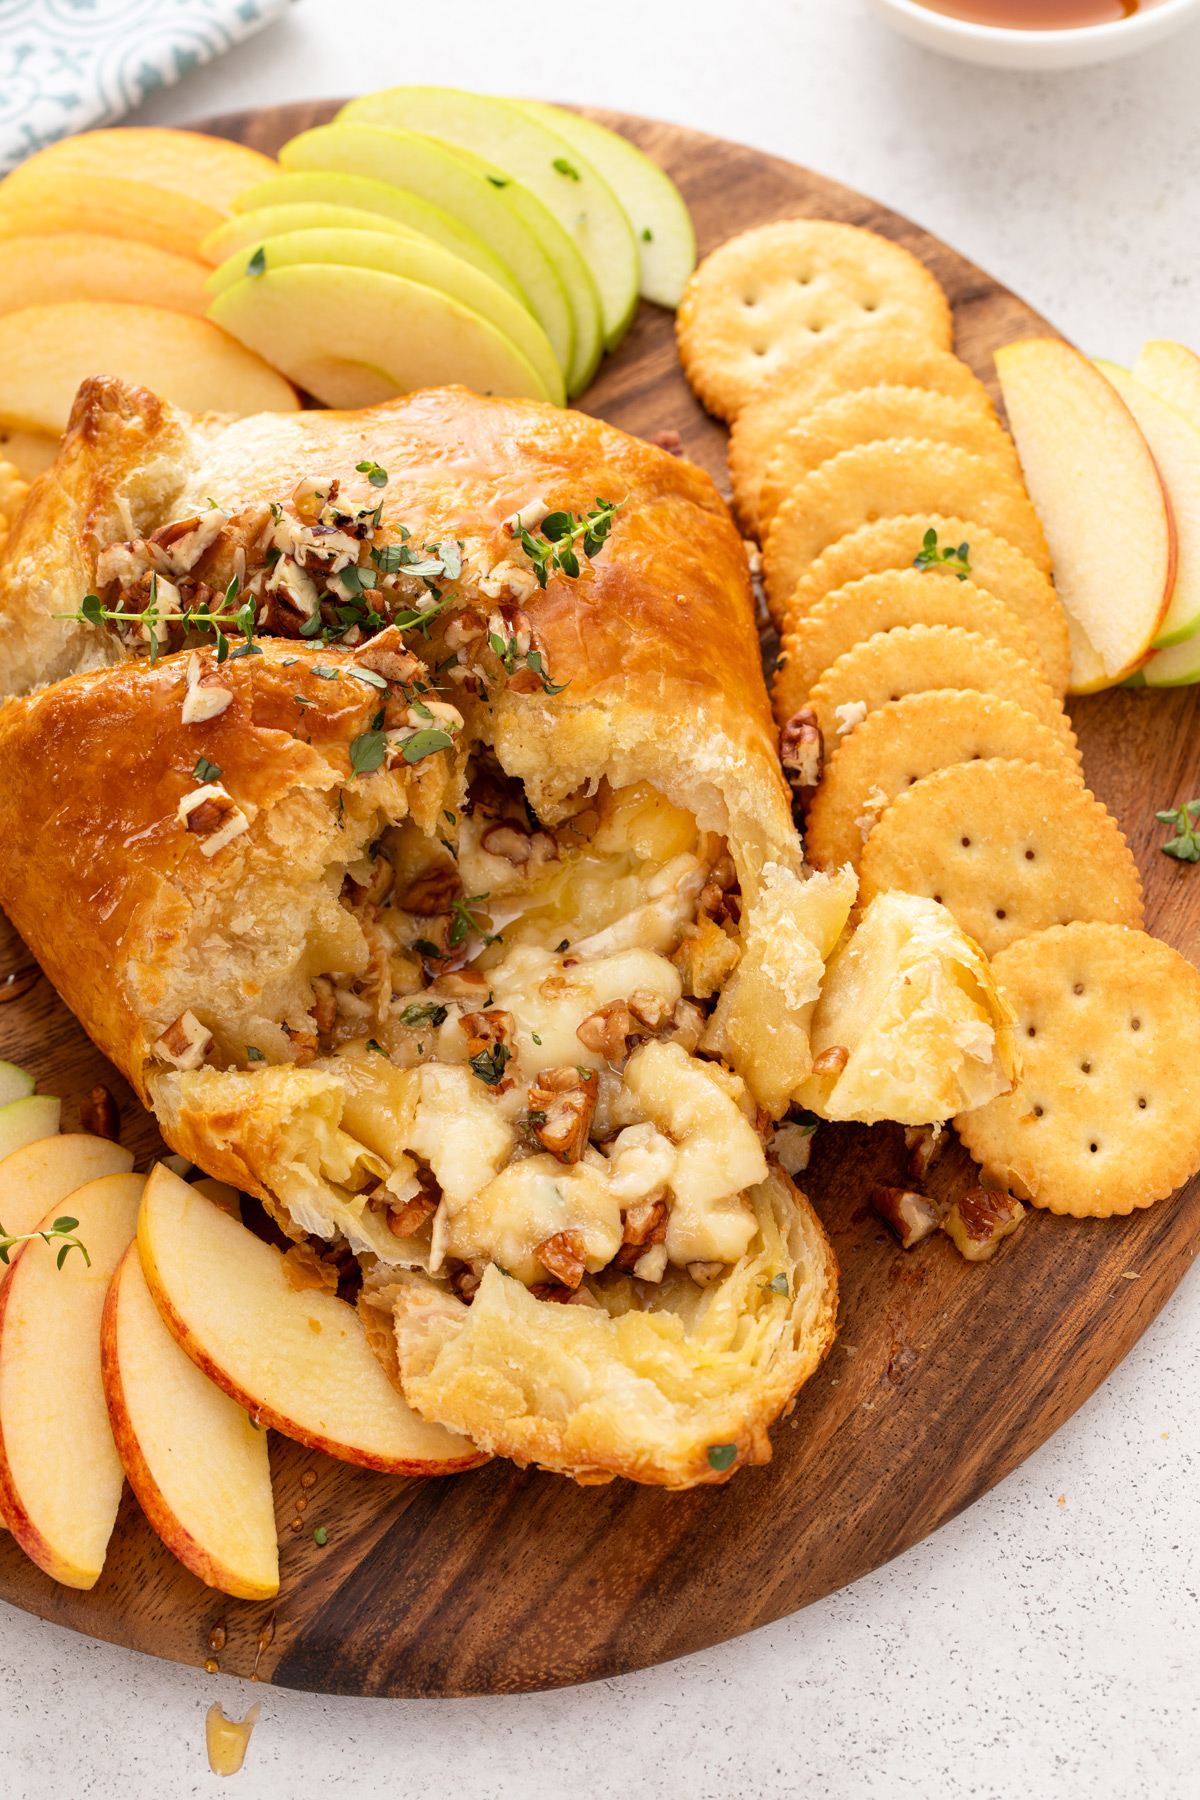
point(1008, 49)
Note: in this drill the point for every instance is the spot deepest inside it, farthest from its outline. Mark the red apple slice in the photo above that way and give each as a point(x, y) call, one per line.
point(197, 1465)
point(297, 1360)
point(60, 1475)
point(1097, 490)
point(1175, 446)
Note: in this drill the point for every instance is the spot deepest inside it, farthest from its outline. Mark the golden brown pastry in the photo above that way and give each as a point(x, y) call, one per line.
point(409, 912)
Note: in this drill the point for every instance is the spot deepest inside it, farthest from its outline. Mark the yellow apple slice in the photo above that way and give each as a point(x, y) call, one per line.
point(1098, 493)
point(1175, 446)
point(297, 1360)
point(354, 337)
point(413, 260)
point(46, 351)
point(15, 1084)
point(361, 193)
point(83, 265)
point(60, 1475)
point(198, 1466)
point(1171, 371)
point(36, 1180)
point(27, 1121)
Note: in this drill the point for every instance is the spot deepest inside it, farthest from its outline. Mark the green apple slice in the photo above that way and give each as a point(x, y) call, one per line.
point(247, 230)
point(360, 193)
point(416, 260)
point(355, 337)
point(405, 160)
point(574, 273)
point(28, 1121)
point(662, 224)
point(1177, 667)
point(15, 1084)
point(1175, 446)
point(537, 156)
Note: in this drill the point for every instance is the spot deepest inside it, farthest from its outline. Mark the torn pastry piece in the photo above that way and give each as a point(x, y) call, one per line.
point(909, 1017)
point(417, 934)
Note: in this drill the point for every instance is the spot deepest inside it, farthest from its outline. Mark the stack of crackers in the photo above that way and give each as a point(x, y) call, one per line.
point(908, 575)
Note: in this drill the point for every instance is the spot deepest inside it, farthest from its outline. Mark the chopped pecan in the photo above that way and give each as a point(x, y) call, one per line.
point(646, 1221)
point(562, 1103)
point(304, 1268)
point(98, 1114)
point(304, 1046)
point(705, 1273)
point(649, 1008)
point(484, 1029)
point(409, 1216)
point(465, 1280)
point(607, 1032)
point(524, 849)
point(463, 629)
point(311, 495)
point(386, 656)
point(687, 1025)
point(324, 1006)
point(432, 892)
point(563, 1256)
point(186, 1043)
point(925, 1144)
point(555, 1291)
point(911, 1216)
point(831, 1061)
point(373, 891)
point(980, 1220)
point(802, 753)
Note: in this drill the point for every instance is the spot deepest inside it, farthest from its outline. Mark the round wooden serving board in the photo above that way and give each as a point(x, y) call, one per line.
point(944, 1375)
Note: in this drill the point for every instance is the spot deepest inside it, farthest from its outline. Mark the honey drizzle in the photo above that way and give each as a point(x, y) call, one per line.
point(227, 1739)
point(265, 1638)
point(1037, 15)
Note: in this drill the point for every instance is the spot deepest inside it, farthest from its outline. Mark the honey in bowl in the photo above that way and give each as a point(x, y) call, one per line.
point(1038, 15)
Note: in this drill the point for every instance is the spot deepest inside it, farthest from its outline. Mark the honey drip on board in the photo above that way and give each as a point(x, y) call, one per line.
point(227, 1738)
point(265, 1638)
point(1038, 15)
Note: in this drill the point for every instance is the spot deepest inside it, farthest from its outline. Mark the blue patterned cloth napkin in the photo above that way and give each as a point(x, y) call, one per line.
point(70, 65)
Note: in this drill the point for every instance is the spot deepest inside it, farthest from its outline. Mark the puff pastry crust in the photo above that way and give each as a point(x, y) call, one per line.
point(141, 924)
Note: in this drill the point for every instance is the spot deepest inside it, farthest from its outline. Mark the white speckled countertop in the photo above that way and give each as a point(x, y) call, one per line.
point(1047, 1642)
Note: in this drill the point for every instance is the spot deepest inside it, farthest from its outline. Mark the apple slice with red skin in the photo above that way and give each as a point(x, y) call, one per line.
point(295, 1359)
point(1097, 490)
point(60, 1475)
point(198, 1466)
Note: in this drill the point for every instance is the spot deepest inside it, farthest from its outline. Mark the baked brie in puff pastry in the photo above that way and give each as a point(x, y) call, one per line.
point(447, 897)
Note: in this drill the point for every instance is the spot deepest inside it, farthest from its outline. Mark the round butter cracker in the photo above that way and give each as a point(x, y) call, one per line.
point(1106, 1115)
point(865, 416)
point(904, 741)
point(1009, 848)
point(997, 567)
point(757, 305)
point(863, 359)
point(912, 659)
point(884, 602)
point(883, 480)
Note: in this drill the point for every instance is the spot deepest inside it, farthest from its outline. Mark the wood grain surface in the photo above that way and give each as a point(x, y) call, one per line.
point(944, 1375)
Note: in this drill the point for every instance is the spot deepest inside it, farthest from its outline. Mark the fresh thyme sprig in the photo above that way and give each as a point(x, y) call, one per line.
point(464, 921)
point(196, 618)
point(61, 1228)
point(956, 559)
point(510, 655)
point(1186, 819)
point(554, 548)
